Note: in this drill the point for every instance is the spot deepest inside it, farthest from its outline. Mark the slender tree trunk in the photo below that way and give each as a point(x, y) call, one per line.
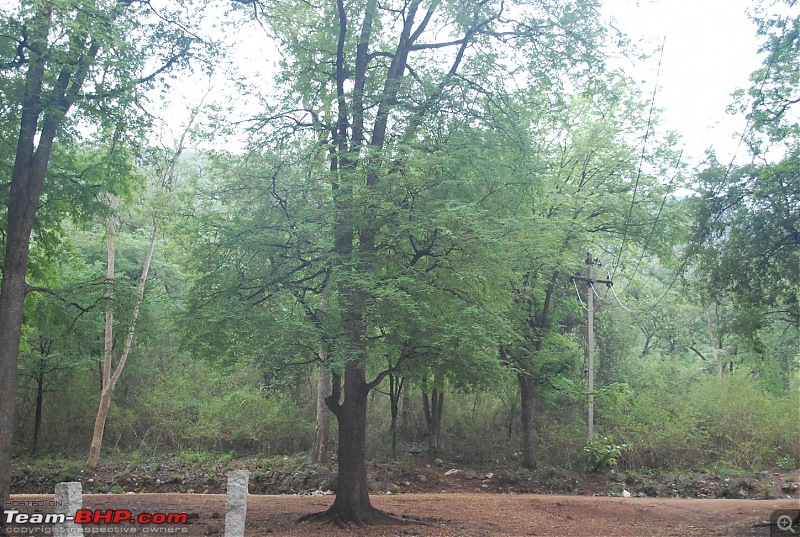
point(108, 342)
point(437, 397)
point(37, 416)
point(433, 407)
point(511, 417)
point(395, 391)
point(786, 372)
point(526, 419)
point(110, 380)
point(714, 339)
point(405, 413)
point(323, 415)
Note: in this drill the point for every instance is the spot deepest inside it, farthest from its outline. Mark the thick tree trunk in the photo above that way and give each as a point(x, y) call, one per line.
point(526, 419)
point(352, 497)
point(323, 415)
point(27, 180)
point(38, 128)
point(12, 298)
point(352, 492)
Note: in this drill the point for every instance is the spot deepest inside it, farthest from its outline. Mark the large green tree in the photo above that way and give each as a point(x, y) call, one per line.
point(367, 81)
point(65, 64)
point(747, 238)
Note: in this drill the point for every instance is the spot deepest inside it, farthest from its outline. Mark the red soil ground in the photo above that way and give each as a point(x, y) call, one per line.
point(451, 514)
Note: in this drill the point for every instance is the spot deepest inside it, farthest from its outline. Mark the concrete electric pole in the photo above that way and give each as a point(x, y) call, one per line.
point(590, 281)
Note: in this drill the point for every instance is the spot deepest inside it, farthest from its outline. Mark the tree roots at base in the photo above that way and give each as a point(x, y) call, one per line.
point(373, 517)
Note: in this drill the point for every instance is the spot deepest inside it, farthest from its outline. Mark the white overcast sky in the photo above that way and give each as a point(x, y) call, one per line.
point(710, 49)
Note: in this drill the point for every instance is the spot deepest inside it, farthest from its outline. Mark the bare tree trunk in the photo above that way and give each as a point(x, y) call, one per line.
point(108, 340)
point(526, 419)
point(323, 415)
point(109, 380)
point(37, 417)
point(27, 179)
point(715, 339)
point(433, 418)
point(395, 391)
point(352, 494)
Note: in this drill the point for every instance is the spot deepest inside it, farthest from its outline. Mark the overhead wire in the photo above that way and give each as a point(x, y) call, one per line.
point(655, 222)
point(641, 157)
point(620, 302)
point(745, 132)
point(579, 295)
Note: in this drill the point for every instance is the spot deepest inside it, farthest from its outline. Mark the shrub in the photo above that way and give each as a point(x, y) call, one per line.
point(246, 420)
point(602, 451)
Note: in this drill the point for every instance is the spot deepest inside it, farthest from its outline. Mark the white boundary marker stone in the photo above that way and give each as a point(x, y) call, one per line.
point(68, 500)
point(236, 503)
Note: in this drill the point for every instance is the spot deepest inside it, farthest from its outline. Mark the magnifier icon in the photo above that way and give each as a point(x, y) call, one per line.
point(784, 523)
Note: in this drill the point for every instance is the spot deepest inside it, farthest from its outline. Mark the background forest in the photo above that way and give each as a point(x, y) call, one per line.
point(411, 205)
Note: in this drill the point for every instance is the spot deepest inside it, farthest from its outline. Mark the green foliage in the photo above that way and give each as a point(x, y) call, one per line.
point(250, 420)
point(601, 451)
point(747, 426)
point(480, 212)
point(748, 240)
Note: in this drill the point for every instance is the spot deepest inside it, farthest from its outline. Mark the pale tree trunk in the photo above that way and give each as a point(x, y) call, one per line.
point(109, 379)
point(715, 339)
point(323, 415)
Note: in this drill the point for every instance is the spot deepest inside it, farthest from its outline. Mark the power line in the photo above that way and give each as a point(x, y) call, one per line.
point(655, 222)
point(620, 303)
point(579, 294)
point(641, 157)
point(655, 304)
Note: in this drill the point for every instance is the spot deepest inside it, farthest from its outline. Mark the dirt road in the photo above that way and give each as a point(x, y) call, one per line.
point(458, 514)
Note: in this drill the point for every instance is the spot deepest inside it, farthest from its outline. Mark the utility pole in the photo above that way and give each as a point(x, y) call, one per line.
point(590, 281)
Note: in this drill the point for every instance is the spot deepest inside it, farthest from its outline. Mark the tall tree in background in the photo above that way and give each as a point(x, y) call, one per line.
point(747, 238)
point(63, 61)
point(165, 171)
point(589, 192)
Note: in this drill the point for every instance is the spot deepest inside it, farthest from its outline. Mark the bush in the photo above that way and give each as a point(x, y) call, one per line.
point(602, 451)
point(246, 420)
point(747, 426)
